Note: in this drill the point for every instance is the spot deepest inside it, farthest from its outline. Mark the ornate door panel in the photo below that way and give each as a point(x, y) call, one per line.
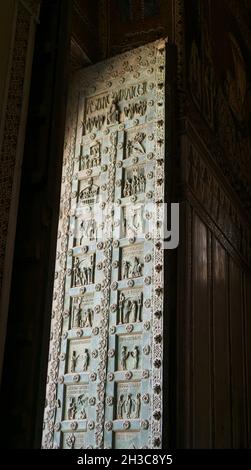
point(105, 362)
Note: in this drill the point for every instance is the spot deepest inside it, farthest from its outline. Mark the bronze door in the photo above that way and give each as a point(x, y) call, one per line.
point(105, 362)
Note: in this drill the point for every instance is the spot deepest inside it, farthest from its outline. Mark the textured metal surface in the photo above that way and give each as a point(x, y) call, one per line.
point(105, 362)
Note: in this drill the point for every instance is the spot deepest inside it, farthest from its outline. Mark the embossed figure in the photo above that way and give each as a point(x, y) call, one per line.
point(87, 230)
point(133, 222)
point(124, 356)
point(128, 406)
point(77, 274)
point(85, 275)
point(113, 113)
point(83, 413)
point(120, 407)
point(76, 313)
point(132, 269)
point(121, 307)
point(81, 403)
point(92, 160)
point(72, 409)
point(136, 268)
point(126, 266)
point(70, 441)
point(90, 273)
point(87, 318)
point(86, 360)
point(82, 231)
point(92, 229)
point(135, 184)
point(136, 144)
point(127, 189)
point(139, 309)
point(128, 309)
point(74, 360)
point(142, 184)
point(135, 356)
point(95, 155)
point(137, 405)
point(134, 308)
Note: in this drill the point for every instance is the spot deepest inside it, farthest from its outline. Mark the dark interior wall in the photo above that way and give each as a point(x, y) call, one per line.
point(24, 374)
point(213, 335)
point(216, 380)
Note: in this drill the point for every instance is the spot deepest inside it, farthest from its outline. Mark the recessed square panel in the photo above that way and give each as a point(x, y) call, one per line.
point(135, 181)
point(132, 262)
point(129, 354)
point(74, 440)
point(83, 270)
point(133, 223)
point(130, 306)
point(127, 440)
point(76, 402)
point(135, 143)
point(79, 356)
point(82, 311)
point(128, 400)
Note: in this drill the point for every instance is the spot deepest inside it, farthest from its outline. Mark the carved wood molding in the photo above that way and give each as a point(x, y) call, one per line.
point(215, 200)
point(239, 12)
point(12, 121)
point(179, 39)
point(32, 6)
point(12, 143)
point(234, 174)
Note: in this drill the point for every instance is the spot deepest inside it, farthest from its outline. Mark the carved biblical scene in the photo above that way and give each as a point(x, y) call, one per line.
point(135, 144)
point(135, 181)
point(128, 401)
point(86, 212)
point(79, 356)
point(74, 440)
point(88, 192)
point(129, 352)
point(132, 262)
point(86, 226)
point(130, 306)
point(127, 440)
point(76, 402)
point(133, 220)
point(82, 312)
point(92, 159)
point(83, 270)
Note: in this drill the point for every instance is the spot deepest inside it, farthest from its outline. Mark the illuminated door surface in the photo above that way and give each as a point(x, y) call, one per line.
point(104, 387)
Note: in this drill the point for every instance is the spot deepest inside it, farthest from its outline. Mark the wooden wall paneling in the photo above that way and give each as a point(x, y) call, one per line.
point(247, 306)
point(221, 373)
point(237, 356)
point(183, 335)
point(201, 336)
